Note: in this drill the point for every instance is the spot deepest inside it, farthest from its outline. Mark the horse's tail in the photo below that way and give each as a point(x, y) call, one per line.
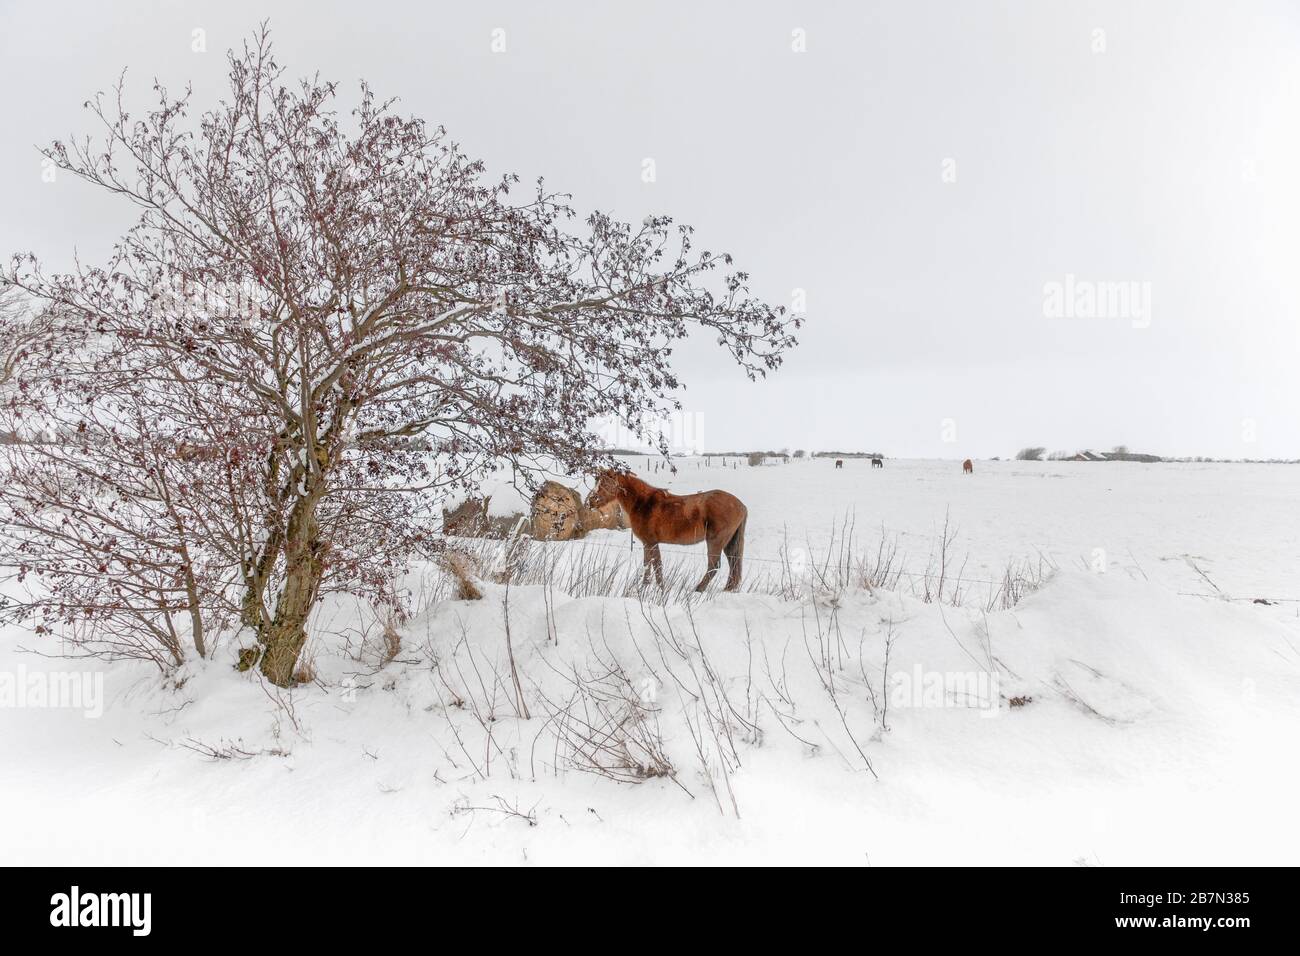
point(735, 548)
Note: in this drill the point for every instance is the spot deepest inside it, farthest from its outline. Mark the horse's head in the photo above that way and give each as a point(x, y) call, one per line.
point(606, 490)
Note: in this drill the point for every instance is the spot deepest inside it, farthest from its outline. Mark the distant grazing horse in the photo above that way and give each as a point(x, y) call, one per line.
point(658, 517)
point(877, 463)
point(839, 462)
point(967, 467)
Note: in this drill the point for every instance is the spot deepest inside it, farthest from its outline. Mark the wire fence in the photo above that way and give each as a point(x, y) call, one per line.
point(788, 563)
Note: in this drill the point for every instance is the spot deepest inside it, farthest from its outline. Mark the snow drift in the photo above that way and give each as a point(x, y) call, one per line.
point(1100, 721)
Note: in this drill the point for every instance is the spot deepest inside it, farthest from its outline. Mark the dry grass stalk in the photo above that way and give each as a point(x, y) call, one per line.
point(463, 568)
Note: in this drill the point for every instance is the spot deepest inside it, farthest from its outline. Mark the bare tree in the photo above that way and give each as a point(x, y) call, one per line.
point(22, 328)
point(316, 327)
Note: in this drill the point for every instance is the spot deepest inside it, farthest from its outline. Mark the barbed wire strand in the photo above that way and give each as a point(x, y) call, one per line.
point(911, 575)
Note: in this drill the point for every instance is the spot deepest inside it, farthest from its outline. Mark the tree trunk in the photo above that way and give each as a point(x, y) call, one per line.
point(255, 578)
point(283, 638)
point(192, 596)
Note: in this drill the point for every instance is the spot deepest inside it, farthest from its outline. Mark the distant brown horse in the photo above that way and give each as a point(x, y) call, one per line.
point(967, 467)
point(658, 517)
point(877, 463)
point(839, 462)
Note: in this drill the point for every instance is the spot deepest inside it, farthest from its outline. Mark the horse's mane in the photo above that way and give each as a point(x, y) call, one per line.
point(635, 486)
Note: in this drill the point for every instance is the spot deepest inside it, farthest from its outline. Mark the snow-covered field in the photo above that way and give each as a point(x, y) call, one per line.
point(1238, 523)
point(1109, 718)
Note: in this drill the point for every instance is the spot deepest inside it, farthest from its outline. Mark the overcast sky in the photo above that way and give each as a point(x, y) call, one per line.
point(929, 174)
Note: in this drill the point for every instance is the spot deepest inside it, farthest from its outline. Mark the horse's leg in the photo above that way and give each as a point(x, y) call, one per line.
point(735, 554)
point(657, 560)
point(715, 562)
point(649, 552)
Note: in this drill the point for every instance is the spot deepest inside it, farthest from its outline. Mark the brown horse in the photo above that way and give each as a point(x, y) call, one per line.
point(658, 517)
point(967, 468)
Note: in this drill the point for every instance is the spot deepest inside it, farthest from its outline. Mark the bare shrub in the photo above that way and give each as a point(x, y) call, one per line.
point(1019, 579)
point(499, 805)
point(471, 681)
point(604, 726)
